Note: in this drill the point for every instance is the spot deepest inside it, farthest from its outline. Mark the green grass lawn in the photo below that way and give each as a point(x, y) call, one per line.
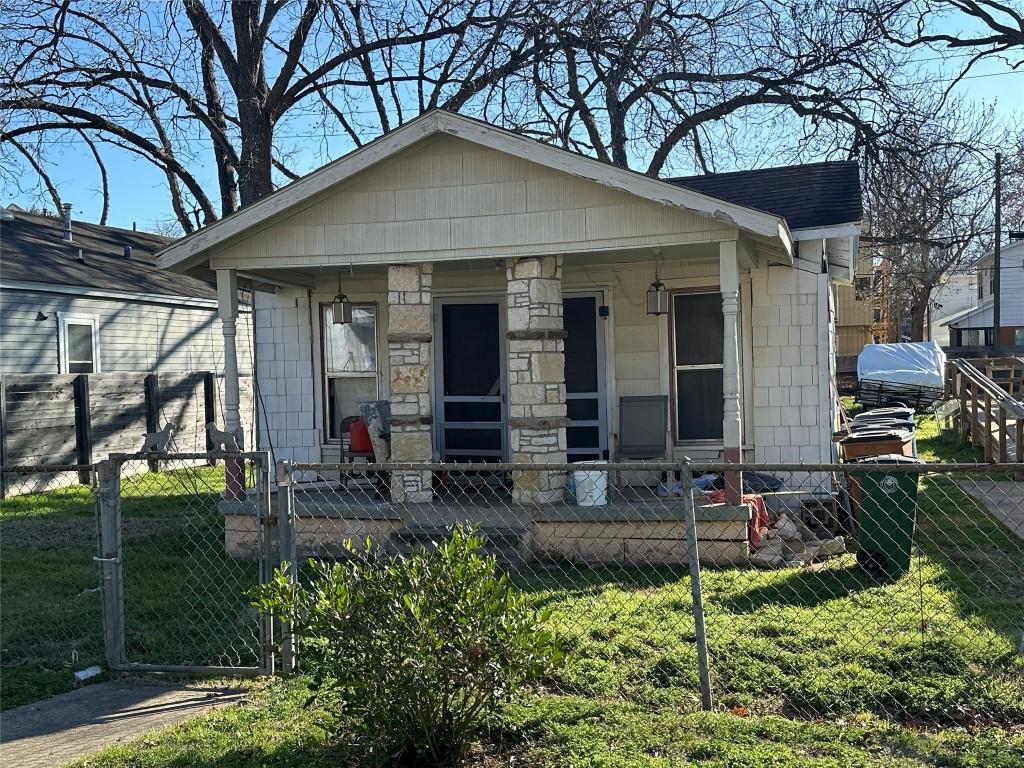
point(827, 666)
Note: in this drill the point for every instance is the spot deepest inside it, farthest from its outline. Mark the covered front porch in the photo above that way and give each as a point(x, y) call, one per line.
point(516, 360)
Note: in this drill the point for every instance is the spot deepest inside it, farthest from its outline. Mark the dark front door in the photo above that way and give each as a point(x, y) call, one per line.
point(470, 395)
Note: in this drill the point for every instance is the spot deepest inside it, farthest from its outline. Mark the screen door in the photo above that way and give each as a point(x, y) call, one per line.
point(587, 433)
point(470, 407)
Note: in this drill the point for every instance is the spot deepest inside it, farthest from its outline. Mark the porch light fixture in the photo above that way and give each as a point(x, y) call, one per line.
point(341, 309)
point(657, 296)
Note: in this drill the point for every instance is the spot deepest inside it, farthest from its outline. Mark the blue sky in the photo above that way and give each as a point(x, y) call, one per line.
point(139, 195)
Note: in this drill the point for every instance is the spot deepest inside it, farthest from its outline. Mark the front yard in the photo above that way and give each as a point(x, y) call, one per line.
point(811, 667)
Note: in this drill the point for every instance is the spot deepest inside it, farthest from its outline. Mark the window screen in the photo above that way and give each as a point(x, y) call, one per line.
point(698, 328)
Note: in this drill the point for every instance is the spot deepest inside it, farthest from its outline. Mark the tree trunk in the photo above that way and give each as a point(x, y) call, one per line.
point(252, 92)
point(255, 161)
point(919, 313)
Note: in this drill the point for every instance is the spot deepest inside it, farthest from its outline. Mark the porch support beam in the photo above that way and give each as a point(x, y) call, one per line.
point(536, 353)
point(410, 337)
point(227, 303)
point(732, 420)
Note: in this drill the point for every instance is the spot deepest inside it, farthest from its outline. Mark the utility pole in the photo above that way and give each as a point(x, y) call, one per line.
point(996, 266)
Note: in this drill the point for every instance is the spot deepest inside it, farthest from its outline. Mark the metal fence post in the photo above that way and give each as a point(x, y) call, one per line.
point(286, 554)
point(692, 554)
point(108, 492)
point(266, 520)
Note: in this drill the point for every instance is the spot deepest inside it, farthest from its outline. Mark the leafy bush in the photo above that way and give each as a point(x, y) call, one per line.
point(418, 650)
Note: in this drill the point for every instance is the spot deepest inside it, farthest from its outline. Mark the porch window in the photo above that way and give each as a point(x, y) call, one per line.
point(697, 331)
point(350, 364)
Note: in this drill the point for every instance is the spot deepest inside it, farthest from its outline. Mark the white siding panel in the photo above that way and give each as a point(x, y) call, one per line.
point(456, 202)
point(400, 237)
point(133, 337)
point(519, 229)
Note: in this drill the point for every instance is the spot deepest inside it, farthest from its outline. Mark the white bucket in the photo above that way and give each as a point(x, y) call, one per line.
point(591, 485)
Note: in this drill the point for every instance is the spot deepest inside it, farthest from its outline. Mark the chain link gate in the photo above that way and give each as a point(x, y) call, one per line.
point(176, 595)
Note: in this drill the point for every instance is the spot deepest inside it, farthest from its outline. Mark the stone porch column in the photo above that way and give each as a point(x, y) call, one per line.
point(536, 370)
point(227, 304)
point(732, 424)
point(410, 332)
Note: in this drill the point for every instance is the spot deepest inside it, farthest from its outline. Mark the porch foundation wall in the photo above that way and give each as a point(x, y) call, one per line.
point(536, 372)
point(409, 356)
point(284, 375)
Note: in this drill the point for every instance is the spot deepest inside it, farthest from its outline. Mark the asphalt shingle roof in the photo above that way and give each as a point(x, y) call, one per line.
point(32, 249)
point(811, 195)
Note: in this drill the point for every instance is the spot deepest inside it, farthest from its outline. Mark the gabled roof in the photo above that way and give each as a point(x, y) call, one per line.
point(190, 250)
point(33, 250)
point(811, 195)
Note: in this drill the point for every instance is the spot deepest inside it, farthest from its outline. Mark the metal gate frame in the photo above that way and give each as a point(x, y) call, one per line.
point(111, 562)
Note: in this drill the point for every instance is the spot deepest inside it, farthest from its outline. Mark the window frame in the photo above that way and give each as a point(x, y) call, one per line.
point(326, 375)
point(674, 368)
point(66, 319)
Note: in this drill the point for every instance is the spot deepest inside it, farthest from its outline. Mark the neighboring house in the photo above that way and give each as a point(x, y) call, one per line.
point(951, 299)
point(81, 299)
point(77, 297)
point(974, 327)
point(855, 310)
point(500, 292)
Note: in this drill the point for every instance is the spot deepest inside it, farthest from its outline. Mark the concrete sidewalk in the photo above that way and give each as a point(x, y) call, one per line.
point(78, 723)
point(1003, 498)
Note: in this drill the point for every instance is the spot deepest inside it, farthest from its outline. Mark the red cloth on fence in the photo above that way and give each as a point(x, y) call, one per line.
point(758, 518)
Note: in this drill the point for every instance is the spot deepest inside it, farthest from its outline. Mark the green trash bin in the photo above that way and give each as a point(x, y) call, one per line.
point(888, 512)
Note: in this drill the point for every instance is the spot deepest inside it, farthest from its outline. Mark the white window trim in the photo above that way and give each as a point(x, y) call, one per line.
point(328, 375)
point(65, 319)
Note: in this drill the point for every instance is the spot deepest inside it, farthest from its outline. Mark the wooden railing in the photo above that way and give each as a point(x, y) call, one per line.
point(991, 417)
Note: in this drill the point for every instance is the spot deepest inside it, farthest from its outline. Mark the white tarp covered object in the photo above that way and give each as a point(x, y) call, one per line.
point(914, 364)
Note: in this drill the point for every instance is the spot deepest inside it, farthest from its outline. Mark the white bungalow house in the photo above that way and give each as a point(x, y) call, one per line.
point(975, 327)
point(500, 300)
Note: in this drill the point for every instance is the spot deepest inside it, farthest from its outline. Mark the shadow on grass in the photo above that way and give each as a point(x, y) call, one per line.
point(801, 587)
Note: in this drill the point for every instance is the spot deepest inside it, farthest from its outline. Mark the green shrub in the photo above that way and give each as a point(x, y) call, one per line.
point(418, 650)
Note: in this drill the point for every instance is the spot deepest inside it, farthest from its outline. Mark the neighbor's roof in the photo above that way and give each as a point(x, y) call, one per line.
point(193, 249)
point(976, 317)
point(806, 196)
point(33, 250)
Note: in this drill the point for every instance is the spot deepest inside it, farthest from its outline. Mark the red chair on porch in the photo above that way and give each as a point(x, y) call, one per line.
point(356, 445)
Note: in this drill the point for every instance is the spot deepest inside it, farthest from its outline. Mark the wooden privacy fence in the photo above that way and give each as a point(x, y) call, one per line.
point(61, 419)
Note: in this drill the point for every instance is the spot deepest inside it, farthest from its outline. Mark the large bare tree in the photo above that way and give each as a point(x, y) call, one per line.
point(930, 215)
point(179, 83)
point(229, 100)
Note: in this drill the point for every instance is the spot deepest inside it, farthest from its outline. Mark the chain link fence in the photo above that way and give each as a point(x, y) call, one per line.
point(830, 591)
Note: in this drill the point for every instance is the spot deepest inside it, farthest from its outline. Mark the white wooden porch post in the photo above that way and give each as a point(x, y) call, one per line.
point(227, 303)
point(732, 425)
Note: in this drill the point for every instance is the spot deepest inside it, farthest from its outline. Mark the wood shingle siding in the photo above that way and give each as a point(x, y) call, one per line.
point(446, 198)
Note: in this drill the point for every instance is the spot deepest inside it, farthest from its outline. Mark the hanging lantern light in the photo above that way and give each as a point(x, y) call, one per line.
point(341, 309)
point(657, 296)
